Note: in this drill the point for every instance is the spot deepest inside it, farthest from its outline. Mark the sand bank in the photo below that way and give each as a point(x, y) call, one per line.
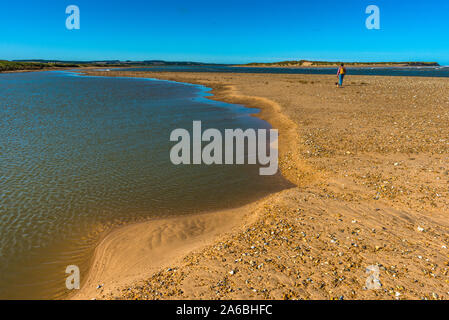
point(370, 162)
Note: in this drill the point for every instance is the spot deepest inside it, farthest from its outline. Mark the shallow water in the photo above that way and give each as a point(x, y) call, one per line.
point(377, 71)
point(80, 155)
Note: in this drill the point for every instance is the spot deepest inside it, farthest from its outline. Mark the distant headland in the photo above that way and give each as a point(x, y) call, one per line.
point(309, 63)
point(39, 64)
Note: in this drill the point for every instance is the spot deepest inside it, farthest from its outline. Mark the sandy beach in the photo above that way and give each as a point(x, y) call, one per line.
point(369, 167)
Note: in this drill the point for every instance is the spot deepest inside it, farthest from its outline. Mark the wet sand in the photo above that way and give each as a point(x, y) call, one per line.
point(370, 165)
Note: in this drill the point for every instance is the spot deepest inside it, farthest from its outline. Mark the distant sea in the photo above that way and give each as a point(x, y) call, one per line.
point(375, 71)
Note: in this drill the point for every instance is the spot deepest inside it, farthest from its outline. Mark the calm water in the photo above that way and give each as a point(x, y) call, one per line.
point(378, 71)
point(80, 155)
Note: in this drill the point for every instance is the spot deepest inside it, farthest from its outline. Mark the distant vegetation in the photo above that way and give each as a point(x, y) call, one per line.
point(19, 65)
point(47, 64)
point(307, 63)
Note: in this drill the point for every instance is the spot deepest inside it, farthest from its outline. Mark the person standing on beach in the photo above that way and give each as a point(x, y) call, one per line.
point(341, 74)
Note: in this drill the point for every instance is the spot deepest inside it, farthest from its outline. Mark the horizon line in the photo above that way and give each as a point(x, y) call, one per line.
point(199, 61)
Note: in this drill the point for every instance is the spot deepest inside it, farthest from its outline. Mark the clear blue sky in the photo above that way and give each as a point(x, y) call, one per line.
point(226, 31)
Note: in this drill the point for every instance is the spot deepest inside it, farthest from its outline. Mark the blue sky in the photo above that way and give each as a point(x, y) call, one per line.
point(226, 31)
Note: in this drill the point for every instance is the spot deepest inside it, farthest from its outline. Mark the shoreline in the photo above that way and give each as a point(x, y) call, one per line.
point(324, 201)
point(143, 231)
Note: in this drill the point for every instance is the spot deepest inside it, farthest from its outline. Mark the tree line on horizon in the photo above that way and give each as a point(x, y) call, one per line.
point(336, 63)
point(17, 66)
